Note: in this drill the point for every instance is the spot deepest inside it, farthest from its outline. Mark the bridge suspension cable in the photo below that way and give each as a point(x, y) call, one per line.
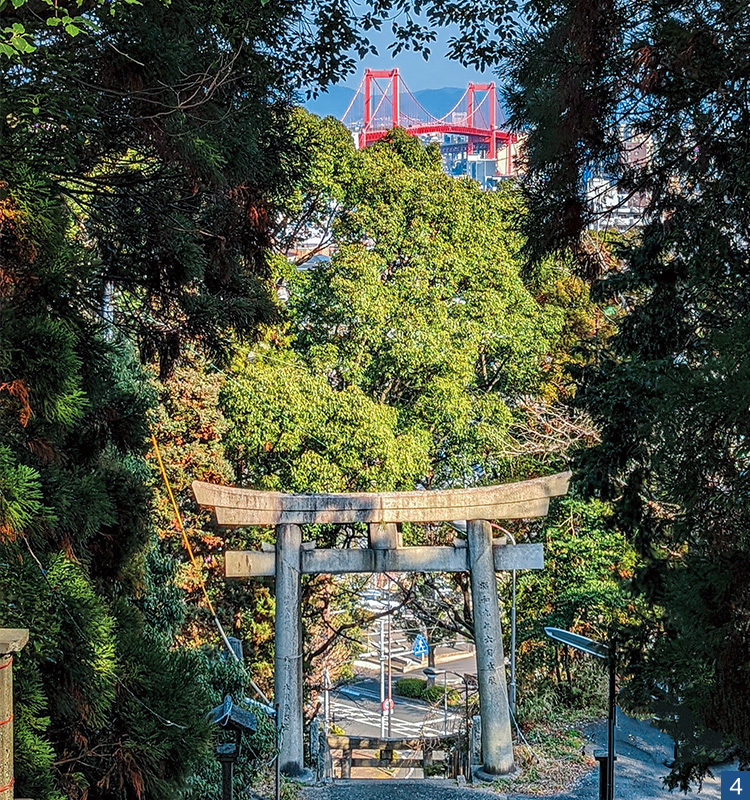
point(473, 118)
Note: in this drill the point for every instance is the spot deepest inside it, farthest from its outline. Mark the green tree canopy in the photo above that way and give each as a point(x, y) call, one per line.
point(419, 354)
point(424, 309)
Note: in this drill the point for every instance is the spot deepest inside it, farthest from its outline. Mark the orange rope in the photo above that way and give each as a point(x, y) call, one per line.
point(193, 561)
point(7, 663)
point(7, 786)
point(180, 524)
point(6, 721)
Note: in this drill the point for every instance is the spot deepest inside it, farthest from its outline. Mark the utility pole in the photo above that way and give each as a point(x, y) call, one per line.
point(382, 678)
point(390, 665)
point(327, 700)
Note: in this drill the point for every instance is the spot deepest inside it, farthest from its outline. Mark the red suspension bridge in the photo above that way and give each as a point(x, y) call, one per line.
point(383, 101)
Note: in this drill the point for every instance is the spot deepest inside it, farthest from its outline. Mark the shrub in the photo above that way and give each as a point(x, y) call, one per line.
point(410, 687)
point(418, 689)
point(435, 694)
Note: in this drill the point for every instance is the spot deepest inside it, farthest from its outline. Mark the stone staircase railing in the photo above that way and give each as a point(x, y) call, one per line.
point(455, 760)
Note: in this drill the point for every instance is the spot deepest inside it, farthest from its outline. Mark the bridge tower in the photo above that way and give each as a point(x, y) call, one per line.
point(395, 81)
point(489, 88)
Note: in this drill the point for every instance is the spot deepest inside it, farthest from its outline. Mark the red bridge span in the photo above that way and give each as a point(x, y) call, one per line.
point(383, 101)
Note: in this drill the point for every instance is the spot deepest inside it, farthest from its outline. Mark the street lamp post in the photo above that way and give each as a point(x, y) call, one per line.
point(512, 685)
point(598, 650)
point(390, 664)
point(431, 673)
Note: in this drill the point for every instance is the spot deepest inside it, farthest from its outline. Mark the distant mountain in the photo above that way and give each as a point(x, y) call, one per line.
point(332, 103)
point(439, 101)
point(336, 100)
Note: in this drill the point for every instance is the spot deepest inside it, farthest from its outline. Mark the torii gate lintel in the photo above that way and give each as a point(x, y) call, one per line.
point(478, 555)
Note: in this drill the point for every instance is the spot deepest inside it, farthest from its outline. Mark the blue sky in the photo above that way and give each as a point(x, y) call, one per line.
point(418, 74)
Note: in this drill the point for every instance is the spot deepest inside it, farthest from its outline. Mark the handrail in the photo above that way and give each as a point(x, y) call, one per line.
point(387, 749)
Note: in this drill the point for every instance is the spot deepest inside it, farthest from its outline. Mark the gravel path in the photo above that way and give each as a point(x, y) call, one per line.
point(640, 768)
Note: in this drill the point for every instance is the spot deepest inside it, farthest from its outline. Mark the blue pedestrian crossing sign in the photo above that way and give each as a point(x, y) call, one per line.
point(421, 648)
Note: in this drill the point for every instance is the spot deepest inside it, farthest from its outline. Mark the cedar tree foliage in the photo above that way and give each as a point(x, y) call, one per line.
point(143, 150)
point(594, 80)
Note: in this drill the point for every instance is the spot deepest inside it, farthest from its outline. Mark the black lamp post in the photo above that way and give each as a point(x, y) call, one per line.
point(598, 650)
point(230, 716)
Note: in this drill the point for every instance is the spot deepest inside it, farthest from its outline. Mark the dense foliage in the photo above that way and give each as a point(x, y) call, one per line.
point(583, 588)
point(419, 354)
point(151, 160)
point(143, 150)
point(106, 705)
point(162, 131)
point(423, 322)
point(670, 394)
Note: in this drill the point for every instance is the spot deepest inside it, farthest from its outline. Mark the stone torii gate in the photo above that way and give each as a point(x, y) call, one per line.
point(383, 511)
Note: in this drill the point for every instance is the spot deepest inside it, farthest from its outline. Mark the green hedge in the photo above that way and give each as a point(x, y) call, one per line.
point(435, 694)
point(410, 687)
point(418, 689)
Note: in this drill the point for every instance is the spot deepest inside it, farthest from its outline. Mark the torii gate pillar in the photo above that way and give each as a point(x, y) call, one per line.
point(288, 649)
point(497, 740)
point(382, 512)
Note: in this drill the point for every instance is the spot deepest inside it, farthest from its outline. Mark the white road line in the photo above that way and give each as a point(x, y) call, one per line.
point(371, 719)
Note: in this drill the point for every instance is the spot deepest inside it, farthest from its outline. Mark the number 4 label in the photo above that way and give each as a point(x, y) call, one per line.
point(733, 783)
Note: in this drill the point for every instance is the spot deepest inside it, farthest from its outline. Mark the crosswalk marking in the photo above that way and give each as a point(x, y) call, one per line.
point(399, 727)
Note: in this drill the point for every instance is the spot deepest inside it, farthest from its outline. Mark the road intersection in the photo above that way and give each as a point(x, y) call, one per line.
point(356, 709)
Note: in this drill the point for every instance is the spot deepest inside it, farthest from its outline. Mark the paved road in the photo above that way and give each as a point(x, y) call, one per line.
point(455, 660)
point(642, 751)
point(356, 709)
